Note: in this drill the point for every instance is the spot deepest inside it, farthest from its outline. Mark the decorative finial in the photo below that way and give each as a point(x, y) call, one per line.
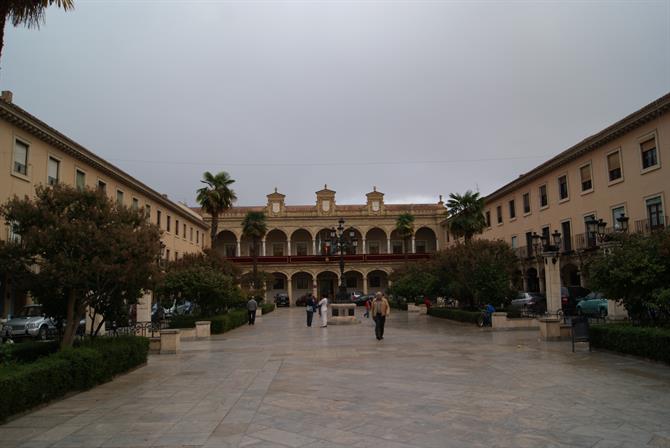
point(325, 186)
point(440, 198)
point(276, 190)
point(374, 188)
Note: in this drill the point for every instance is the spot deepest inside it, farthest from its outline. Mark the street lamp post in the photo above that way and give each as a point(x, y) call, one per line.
point(340, 242)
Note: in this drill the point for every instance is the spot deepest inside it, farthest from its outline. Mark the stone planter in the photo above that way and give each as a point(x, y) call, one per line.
point(342, 314)
point(202, 329)
point(170, 342)
point(155, 345)
point(550, 329)
point(500, 321)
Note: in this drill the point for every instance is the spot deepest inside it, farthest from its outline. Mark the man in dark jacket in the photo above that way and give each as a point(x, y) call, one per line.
point(310, 305)
point(252, 306)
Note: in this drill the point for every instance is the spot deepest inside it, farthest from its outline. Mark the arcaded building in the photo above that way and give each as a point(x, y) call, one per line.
point(618, 175)
point(296, 251)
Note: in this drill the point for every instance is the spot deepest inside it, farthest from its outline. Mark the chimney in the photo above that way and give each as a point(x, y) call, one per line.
point(7, 96)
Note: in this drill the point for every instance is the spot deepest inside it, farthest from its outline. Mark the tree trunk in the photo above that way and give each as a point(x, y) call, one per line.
point(255, 271)
point(4, 10)
point(214, 228)
point(72, 320)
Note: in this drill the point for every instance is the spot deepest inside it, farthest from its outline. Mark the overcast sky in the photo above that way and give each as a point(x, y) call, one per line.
point(419, 98)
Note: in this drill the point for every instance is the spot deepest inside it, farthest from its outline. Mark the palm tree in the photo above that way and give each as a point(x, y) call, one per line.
point(216, 197)
point(405, 227)
point(254, 226)
point(27, 12)
point(465, 214)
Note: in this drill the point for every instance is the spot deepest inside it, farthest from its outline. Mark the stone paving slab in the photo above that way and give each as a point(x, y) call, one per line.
point(429, 383)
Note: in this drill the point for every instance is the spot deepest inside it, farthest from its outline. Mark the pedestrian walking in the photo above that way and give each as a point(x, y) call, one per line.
point(380, 311)
point(368, 304)
point(252, 306)
point(311, 304)
point(323, 310)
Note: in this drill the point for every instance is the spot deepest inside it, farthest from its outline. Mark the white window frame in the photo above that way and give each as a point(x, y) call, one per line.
point(590, 190)
point(28, 145)
point(58, 160)
point(648, 136)
point(509, 209)
point(614, 207)
point(539, 195)
point(567, 187)
point(79, 170)
point(123, 197)
point(607, 167)
point(530, 204)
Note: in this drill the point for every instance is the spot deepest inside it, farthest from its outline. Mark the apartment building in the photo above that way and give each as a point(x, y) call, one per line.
point(33, 153)
point(616, 175)
point(297, 248)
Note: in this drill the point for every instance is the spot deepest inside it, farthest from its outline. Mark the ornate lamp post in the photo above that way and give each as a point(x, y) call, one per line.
point(623, 223)
point(340, 242)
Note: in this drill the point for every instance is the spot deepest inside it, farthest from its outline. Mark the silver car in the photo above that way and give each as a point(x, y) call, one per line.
point(31, 323)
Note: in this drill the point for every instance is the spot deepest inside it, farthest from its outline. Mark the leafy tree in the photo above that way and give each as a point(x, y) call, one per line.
point(26, 12)
point(465, 214)
point(216, 197)
point(86, 251)
point(635, 272)
point(404, 225)
point(255, 227)
point(414, 280)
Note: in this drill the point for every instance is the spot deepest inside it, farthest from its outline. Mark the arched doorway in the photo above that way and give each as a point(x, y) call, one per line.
point(279, 285)
point(375, 241)
point(327, 283)
point(353, 280)
point(301, 243)
point(425, 241)
point(532, 280)
point(398, 243)
point(276, 243)
point(378, 281)
point(323, 242)
point(570, 275)
point(225, 244)
point(302, 283)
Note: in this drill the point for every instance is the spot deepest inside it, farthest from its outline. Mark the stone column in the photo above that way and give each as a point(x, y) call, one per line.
point(288, 248)
point(263, 247)
point(552, 278)
point(364, 250)
point(315, 293)
point(238, 251)
point(365, 284)
point(388, 245)
point(314, 247)
point(289, 290)
point(413, 245)
point(143, 308)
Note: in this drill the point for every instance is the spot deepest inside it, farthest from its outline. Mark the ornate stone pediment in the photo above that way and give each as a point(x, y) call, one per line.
point(375, 202)
point(275, 205)
point(325, 201)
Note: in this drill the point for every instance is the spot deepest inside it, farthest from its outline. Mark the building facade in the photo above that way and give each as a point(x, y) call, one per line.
point(297, 252)
point(32, 153)
point(615, 174)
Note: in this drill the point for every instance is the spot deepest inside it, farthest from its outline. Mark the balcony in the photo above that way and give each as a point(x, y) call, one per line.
point(647, 226)
point(307, 259)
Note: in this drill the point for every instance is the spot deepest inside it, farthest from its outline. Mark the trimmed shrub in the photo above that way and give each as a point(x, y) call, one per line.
point(398, 305)
point(226, 322)
point(647, 342)
point(267, 307)
point(26, 351)
point(185, 321)
point(455, 314)
point(24, 386)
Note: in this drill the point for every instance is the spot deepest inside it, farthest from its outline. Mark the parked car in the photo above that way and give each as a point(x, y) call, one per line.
point(360, 300)
point(530, 302)
point(594, 304)
point(570, 296)
point(281, 299)
point(31, 322)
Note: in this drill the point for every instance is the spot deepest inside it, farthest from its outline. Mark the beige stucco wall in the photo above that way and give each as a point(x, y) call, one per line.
point(636, 186)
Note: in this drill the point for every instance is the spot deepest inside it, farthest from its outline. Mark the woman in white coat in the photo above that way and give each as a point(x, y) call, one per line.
point(323, 310)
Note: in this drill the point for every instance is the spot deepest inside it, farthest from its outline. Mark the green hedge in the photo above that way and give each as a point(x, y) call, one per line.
point(267, 308)
point(455, 314)
point(24, 386)
point(26, 351)
point(219, 324)
point(398, 305)
point(648, 342)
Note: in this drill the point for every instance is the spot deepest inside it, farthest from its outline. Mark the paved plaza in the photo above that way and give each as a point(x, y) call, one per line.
point(429, 383)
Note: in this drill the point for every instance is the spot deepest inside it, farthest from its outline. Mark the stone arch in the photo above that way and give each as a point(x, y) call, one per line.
point(354, 280)
point(225, 243)
point(321, 237)
point(278, 285)
point(398, 243)
point(302, 283)
point(327, 283)
point(570, 275)
point(276, 243)
point(377, 280)
point(425, 240)
point(301, 242)
point(376, 241)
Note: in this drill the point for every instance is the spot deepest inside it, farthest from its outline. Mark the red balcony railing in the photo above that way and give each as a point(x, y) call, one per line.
point(301, 259)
